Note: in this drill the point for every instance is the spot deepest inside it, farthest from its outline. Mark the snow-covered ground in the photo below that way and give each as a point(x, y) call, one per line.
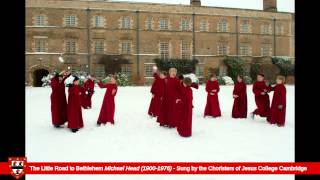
point(137, 138)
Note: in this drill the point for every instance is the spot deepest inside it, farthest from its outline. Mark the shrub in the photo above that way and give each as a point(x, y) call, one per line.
point(220, 80)
point(122, 79)
point(46, 80)
point(254, 70)
point(285, 65)
point(183, 66)
point(227, 80)
point(235, 66)
point(247, 79)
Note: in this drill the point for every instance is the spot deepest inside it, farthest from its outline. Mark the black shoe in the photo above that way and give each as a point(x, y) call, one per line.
point(74, 130)
point(98, 123)
point(57, 126)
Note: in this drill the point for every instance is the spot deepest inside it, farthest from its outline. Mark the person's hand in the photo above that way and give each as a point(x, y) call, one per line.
point(152, 95)
point(280, 107)
point(263, 93)
point(265, 90)
point(235, 96)
point(211, 94)
point(177, 101)
point(214, 90)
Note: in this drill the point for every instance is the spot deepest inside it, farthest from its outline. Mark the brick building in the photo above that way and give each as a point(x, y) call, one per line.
point(82, 30)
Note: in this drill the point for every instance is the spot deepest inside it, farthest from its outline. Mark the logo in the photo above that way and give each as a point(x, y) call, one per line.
point(17, 166)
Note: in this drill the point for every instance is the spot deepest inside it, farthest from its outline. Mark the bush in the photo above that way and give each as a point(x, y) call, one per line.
point(220, 80)
point(247, 79)
point(122, 79)
point(183, 66)
point(46, 80)
point(285, 65)
point(255, 69)
point(235, 66)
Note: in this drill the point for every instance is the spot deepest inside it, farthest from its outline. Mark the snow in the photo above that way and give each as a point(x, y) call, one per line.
point(138, 138)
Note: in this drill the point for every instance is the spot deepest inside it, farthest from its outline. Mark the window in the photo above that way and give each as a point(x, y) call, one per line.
point(70, 21)
point(164, 50)
point(199, 71)
point(265, 28)
point(185, 50)
point(245, 26)
point(39, 20)
point(99, 47)
point(245, 50)
point(70, 46)
point(149, 23)
point(126, 69)
point(184, 25)
point(266, 50)
point(99, 71)
point(223, 49)
point(223, 26)
point(203, 26)
point(148, 70)
point(125, 22)
point(40, 45)
point(98, 21)
point(164, 24)
point(279, 30)
point(126, 47)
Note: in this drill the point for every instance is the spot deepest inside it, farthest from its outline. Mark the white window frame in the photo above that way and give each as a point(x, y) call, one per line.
point(149, 23)
point(40, 45)
point(245, 26)
point(203, 26)
point(245, 49)
point(70, 21)
point(148, 70)
point(223, 49)
point(98, 21)
point(265, 50)
point(99, 47)
point(164, 24)
point(126, 47)
point(186, 50)
point(265, 28)
point(164, 50)
point(71, 46)
point(184, 25)
point(126, 69)
point(39, 20)
point(125, 22)
point(223, 26)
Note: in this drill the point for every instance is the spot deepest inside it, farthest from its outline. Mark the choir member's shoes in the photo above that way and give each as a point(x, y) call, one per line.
point(98, 123)
point(74, 130)
point(57, 126)
point(280, 125)
point(251, 116)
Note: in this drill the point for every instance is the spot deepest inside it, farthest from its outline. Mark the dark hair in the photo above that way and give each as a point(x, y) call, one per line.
point(240, 76)
point(260, 74)
point(164, 73)
point(187, 81)
point(212, 75)
point(180, 77)
point(76, 78)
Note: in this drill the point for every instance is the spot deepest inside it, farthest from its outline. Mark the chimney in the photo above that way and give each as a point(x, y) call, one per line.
point(270, 5)
point(195, 2)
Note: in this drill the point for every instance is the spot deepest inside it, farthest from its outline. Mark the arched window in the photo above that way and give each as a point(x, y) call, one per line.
point(223, 25)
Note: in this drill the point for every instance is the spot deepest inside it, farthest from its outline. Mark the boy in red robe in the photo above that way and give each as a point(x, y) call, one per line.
point(261, 90)
point(162, 118)
point(184, 127)
point(157, 92)
point(278, 105)
point(75, 121)
point(212, 107)
point(88, 89)
point(172, 93)
point(239, 109)
point(108, 106)
point(58, 99)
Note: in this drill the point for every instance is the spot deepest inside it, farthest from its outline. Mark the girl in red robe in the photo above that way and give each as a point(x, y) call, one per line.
point(239, 109)
point(75, 121)
point(261, 90)
point(88, 88)
point(212, 107)
point(278, 105)
point(157, 91)
point(173, 91)
point(185, 109)
point(162, 118)
point(108, 105)
point(58, 99)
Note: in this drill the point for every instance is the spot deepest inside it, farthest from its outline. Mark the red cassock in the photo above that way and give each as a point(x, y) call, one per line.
point(154, 107)
point(108, 105)
point(75, 120)
point(212, 106)
point(173, 92)
point(277, 115)
point(185, 110)
point(58, 102)
point(163, 115)
point(239, 109)
point(262, 101)
point(88, 90)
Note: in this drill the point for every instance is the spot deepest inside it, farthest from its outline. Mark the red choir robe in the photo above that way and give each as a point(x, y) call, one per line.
point(108, 105)
point(262, 101)
point(277, 116)
point(75, 120)
point(162, 118)
point(185, 106)
point(239, 109)
point(173, 92)
point(88, 90)
point(58, 102)
point(154, 107)
point(212, 107)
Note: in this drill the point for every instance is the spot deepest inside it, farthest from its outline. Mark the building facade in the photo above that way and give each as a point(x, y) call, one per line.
point(82, 30)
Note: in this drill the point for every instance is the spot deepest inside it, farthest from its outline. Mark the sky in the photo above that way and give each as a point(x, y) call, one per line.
point(283, 5)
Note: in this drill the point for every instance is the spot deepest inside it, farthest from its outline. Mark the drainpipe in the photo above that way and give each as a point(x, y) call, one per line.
point(138, 44)
point(237, 36)
point(193, 36)
point(274, 37)
point(88, 41)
